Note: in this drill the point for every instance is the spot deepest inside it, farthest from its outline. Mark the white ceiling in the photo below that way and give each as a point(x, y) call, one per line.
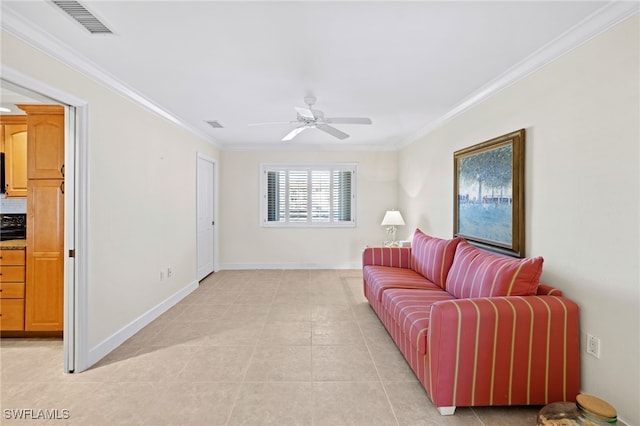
point(11, 96)
point(406, 65)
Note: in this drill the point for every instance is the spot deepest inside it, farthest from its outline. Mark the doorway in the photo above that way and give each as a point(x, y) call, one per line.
point(75, 209)
point(205, 198)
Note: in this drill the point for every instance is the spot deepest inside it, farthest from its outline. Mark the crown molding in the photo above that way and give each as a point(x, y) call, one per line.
point(598, 22)
point(55, 48)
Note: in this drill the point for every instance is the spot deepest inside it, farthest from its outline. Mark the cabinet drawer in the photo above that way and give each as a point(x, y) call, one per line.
point(11, 314)
point(11, 290)
point(12, 274)
point(11, 257)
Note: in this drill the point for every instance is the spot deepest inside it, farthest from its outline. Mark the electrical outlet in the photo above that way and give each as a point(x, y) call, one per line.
point(593, 346)
point(169, 272)
point(161, 275)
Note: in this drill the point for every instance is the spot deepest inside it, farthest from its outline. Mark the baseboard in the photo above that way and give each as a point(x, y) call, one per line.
point(250, 266)
point(119, 337)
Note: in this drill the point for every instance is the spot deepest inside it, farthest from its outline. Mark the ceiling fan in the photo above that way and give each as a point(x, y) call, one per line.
point(309, 118)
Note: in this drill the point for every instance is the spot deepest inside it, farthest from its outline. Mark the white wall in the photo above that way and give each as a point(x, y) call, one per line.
point(142, 197)
point(244, 243)
point(582, 118)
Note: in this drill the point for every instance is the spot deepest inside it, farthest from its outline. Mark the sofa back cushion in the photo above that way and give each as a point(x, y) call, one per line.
point(477, 273)
point(432, 257)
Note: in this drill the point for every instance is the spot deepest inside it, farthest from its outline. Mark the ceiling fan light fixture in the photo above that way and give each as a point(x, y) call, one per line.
point(308, 118)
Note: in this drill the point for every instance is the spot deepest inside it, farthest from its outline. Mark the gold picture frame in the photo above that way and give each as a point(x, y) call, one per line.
point(489, 194)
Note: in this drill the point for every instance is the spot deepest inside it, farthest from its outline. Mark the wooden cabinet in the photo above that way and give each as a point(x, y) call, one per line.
point(12, 290)
point(13, 133)
point(44, 301)
point(45, 141)
point(44, 291)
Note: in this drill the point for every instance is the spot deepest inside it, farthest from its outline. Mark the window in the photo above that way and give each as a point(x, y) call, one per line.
point(317, 195)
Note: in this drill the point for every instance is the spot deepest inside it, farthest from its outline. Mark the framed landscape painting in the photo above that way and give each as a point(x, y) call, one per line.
point(489, 194)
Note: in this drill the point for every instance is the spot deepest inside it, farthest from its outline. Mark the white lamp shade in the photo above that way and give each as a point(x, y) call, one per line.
point(392, 218)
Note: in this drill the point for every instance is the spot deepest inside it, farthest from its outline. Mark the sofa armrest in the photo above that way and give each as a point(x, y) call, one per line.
point(399, 257)
point(492, 351)
point(547, 290)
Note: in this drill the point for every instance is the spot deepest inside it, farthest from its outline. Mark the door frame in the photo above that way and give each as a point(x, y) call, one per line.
point(201, 156)
point(75, 336)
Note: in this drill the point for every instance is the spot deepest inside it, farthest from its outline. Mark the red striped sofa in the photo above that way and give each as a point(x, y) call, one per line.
point(477, 328)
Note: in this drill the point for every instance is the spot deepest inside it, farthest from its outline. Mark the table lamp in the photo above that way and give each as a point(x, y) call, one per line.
point(392, 219)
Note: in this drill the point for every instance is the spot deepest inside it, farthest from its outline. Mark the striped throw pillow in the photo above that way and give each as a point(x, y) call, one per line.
point(432, 257)
point(478, 273)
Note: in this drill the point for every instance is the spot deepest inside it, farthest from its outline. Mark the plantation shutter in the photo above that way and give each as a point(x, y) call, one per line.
point(298, 195)
point(309, 195)
point(321, 195)
point(276, 196)
point(342, 195)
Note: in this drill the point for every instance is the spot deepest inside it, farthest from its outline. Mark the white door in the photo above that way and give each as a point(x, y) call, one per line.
point(71, 123)
point(205, 197)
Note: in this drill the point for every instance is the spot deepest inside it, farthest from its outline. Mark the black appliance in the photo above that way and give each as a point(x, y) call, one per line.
point(13, 226)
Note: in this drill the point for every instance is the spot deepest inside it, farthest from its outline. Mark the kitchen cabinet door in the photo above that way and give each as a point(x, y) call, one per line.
point(15, 148)
point(11, 315)
point(11, 290)
point(45, 141)
point(44, 293)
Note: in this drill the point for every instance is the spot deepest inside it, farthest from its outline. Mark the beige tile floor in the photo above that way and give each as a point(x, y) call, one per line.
point(252, 348)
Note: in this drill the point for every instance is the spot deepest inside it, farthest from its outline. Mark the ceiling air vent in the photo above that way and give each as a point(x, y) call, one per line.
point(215, 124)
point(81, 15)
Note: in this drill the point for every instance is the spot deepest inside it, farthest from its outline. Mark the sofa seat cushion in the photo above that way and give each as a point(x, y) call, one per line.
point(432, 257)
point(381, 278)
point(478, 273)
point(410, 310)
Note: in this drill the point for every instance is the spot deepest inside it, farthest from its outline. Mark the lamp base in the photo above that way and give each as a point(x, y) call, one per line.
point(391, 237)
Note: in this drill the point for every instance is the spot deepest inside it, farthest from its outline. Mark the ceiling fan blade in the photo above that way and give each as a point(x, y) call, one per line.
point(332, 131)
point(349, 120)
point(292, 134)
point(269, 123)
point(305, 112)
